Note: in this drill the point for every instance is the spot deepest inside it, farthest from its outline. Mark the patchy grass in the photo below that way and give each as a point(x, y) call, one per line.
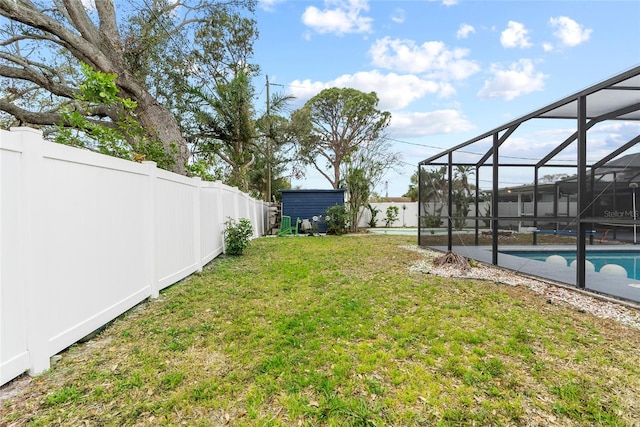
point(336, 331)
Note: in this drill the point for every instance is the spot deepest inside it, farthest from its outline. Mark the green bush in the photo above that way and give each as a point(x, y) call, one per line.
point(392, 215)
point(337, 220)
point(374, 212)
point(236, 235)
point(431, 221)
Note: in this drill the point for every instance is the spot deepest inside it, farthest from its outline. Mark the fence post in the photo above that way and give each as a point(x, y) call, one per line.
point(33, 256)
point(220, 226)
point(236, 203)
point(256, 218)
point(197, 229)
point(152, 228)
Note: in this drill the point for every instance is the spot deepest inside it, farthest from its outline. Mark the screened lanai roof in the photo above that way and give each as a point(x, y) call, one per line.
point(617, 98)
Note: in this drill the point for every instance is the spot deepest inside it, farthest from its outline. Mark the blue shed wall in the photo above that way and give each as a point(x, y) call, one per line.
point(305, 204)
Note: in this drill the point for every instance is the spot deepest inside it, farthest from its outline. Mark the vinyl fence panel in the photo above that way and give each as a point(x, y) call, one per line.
point(14, 355)
point(85, 237)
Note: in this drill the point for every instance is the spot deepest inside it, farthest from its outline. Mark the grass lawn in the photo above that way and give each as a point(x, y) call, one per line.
point(336, 331)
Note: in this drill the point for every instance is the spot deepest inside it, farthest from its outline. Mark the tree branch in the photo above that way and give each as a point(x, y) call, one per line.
point(46, 118)
point(107, 16)
point(33, 76)
point(78, 18)
point(26, 12)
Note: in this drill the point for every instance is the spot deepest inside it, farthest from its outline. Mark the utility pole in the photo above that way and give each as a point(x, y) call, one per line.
point(268, 144)
point(269, 138)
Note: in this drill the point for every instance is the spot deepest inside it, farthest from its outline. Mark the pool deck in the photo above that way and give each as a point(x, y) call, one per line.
point(614, 286)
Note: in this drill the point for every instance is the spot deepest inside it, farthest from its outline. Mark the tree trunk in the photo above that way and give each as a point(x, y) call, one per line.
point(336, 176)
point(157, 119)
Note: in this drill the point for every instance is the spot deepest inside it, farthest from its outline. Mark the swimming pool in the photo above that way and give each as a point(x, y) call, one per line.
point(628, 259)
point(412, 231)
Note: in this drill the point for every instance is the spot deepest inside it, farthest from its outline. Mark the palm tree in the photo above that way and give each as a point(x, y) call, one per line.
point(461, 178)
point(462, 193)
point(433, 189)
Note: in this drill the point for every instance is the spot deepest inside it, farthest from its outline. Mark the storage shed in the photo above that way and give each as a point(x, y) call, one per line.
point(305, 204)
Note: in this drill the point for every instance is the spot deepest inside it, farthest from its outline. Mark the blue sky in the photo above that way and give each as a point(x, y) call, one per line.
point(447, 70)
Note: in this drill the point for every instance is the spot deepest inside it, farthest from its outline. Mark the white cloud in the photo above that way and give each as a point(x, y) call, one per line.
point(613, 135)
point(339, 17)
point(432, 58)
point(398, 16)
point(269, 5)
point(516, 35)
point(447, 2)
point(629, 129)
point(406, 125)
point(547, 47)
point(394, 91)
point(568, 31)
point(464, 31)
point(519, 79)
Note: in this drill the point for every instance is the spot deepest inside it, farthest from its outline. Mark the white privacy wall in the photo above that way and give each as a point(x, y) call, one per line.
point(85, 237)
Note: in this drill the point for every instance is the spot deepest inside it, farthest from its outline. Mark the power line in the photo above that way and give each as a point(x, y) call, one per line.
point(471, 152)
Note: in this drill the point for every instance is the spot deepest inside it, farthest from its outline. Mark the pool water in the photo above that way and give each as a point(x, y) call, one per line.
point(412, 231)
point(630, 260)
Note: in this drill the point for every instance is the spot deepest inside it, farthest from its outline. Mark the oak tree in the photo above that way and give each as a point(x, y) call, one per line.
point(334, 125)
point(163, 41)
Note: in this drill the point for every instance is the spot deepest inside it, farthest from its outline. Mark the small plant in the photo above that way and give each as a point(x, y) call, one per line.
point(337, 219)
point(392, 215)
point(374, 212)
point(430, 221)
point(487, 214)
point(236, 235)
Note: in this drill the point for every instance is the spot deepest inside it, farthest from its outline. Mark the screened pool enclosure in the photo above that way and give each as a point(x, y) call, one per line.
point(584, 186)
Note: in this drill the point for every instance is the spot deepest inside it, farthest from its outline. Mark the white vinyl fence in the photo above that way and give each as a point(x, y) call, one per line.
point(85, 237)
point(408, 213)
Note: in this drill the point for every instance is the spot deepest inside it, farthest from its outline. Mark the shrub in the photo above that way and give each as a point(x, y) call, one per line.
point(336, 218)
point(392, 215)
point(374, 212)
point(236, 235)
point(431, 221)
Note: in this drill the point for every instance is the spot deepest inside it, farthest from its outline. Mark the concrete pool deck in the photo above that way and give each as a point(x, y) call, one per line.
point(601, 283)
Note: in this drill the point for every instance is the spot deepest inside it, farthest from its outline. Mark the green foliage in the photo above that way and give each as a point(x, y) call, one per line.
point(392, 215)
point(374, 212)
point(236, 235)
point(462, 195)
point(337, 220)
point(431, 221)
point(100, 88)
point(487, 214)
point(434, 189)
point(122, 136)
point(232, 126)
point(359, 189)
point(335, 125)
point(230, 134)
point(202, 169)
point(412, 192)
point(461, 203)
